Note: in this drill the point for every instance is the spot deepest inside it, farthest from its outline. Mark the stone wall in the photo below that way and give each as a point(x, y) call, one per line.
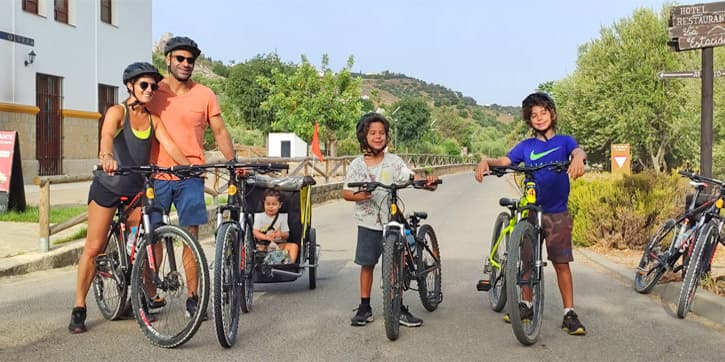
point(80, 145)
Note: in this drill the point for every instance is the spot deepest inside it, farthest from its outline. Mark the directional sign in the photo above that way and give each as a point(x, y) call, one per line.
point(620, 158)
point(699, 41)
point(692, 74)
point(697, 26)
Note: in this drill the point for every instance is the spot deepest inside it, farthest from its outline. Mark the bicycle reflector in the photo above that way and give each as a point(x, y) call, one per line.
point(150, 193)
point(719, 203)
point(531, 192)
point(232, 190)
point(393, 209)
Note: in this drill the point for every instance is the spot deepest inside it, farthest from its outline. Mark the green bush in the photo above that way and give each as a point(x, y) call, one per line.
point(622, 212)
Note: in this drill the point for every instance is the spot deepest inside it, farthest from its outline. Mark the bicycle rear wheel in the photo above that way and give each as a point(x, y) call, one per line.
point(163, 272)
point(428, 260)
point(392, 285)
point(525, 283)
point(496, 275)
point(110, 286)
point(227, 293)
point(653, 263)
point(247, 275)
point(694, 271)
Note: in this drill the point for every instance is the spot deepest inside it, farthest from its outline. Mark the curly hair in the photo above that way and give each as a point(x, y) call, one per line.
point(363, 126)
point(538, 99)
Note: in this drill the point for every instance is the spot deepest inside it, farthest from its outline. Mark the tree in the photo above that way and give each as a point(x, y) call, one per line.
point(308, 96)
point(411, 122)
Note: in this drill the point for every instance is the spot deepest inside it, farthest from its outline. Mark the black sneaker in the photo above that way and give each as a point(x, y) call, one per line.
point(525, 312)
point(362, 317)
point(191, 305)
point(77, 320)
point(572, 325)
point(407, 319)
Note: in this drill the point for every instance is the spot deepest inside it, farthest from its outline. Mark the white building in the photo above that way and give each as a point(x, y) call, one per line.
point(285, 145)
point(55, 100)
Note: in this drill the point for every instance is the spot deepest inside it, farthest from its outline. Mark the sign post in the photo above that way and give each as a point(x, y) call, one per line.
point(699, 26)
point(621, 158)
point(12, 189)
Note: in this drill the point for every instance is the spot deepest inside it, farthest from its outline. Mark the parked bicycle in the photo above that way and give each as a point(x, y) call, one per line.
point(235, 248)
point(405, 261)
point(670, 247)
point(518, 275)
point(155, 269)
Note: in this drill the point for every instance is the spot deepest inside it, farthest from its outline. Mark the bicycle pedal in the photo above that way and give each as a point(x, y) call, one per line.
point(483, 285)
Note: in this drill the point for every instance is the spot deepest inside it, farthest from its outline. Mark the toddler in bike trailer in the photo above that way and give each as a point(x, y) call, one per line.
point(539, 113)
point(271, 230)
point(375, 164)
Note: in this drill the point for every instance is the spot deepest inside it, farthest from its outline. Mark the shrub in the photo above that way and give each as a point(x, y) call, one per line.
point(623, 211)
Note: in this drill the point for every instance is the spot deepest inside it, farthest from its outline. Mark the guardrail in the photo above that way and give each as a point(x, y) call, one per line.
point(330, 169)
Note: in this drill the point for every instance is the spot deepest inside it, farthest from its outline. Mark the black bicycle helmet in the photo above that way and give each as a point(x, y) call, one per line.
point(363, 125)
point(182, 42)
point(135, 70)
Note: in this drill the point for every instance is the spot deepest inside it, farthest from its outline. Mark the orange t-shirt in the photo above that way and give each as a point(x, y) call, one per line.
point(185, 117)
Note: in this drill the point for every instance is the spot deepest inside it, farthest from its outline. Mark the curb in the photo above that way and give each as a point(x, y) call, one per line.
point(706, 304)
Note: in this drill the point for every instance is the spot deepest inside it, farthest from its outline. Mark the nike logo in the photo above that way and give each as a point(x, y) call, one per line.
point(535, 156)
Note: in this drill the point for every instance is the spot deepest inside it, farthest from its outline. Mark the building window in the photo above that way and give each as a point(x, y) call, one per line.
point(61, 11)
point(107, 97)
point(106, 11)
point(30, 6)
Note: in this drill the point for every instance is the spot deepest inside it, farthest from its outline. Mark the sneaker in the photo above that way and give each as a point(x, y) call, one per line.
point(191, 305)
point(362, 317)
point(525, 312)
point(407, 319)
point(157, 302)
point(77, 320)
point(572, 325)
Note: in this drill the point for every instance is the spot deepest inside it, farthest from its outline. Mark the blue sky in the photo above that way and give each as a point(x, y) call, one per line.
point(493, 51)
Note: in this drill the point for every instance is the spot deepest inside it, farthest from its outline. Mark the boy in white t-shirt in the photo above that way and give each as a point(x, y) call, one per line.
point(271, 226)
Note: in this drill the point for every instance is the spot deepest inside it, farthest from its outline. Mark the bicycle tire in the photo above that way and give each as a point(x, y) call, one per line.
point(247, 277)
point(312, 259)
point(170, 327)
point(227, 293)
point(429, 270)
point(523, 237)
point(694, 270)
point(651, 266)
point(497, 276)
point(110, 286)
point(392, 285)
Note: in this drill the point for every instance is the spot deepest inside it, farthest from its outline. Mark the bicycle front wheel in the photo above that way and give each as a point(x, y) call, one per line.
point(708, 235)
point(392, 285)
point(110, 285)
point(247, 277)
point(653, 264)
point(496, 279)
point(171, 275)
point(227, 294)
point(525, 284)
point(428, 258)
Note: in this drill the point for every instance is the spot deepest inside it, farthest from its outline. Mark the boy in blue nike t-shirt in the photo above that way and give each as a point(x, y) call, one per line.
point(539, 112)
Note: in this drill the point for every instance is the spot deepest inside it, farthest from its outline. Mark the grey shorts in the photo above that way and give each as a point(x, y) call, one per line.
point(369, 246)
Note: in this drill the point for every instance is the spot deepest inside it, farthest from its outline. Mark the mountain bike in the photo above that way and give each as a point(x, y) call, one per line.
point(522, 277)
point(156, 271)
point(703, 250)
point(235, 248)
point(403, 263)
point(673, 240)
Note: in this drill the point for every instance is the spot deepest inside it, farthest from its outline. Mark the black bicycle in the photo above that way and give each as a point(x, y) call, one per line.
point(163, 268)
point(403, 262)
point(670, 247)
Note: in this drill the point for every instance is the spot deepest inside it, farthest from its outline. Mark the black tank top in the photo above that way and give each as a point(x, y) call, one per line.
point(128, 150)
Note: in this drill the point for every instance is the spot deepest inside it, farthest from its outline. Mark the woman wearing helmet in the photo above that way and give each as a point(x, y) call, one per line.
point(126, 136)
point(375, 164)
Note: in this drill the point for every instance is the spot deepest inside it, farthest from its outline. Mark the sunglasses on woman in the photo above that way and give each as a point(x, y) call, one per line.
point(144, 85)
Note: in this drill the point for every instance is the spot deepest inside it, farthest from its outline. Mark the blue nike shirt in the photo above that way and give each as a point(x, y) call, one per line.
point(553, 187)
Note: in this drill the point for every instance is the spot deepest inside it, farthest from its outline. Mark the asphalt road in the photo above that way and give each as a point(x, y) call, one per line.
point(290, 322)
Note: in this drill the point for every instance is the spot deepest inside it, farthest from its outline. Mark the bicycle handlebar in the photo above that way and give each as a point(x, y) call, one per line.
point(502, 170)
point(195, 170)
point(372, 185)
point(693, 176)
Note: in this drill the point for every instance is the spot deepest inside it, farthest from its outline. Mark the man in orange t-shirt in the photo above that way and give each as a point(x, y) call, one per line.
point(186, 108)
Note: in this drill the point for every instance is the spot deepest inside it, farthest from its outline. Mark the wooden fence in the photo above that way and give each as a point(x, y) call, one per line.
point(330, 169)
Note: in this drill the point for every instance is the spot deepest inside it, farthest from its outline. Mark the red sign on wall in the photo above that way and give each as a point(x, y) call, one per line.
point(7, 148)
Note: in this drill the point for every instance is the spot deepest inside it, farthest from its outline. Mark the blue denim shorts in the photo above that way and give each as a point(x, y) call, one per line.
point(369, 246)
point(187, 196)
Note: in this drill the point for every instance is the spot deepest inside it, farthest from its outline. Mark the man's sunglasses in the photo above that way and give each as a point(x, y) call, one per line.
point(144, 85)
point(180, 59)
